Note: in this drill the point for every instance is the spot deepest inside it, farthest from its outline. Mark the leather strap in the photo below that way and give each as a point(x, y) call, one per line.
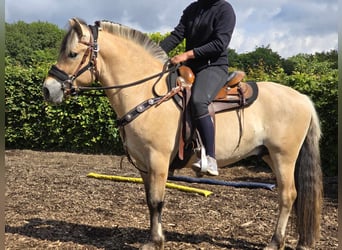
point(186, 97)
point(135, 112)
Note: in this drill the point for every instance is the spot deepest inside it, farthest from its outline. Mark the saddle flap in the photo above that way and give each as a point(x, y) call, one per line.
point(243, 95)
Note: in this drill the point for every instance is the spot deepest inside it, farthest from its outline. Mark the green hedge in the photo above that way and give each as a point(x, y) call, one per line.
point(87, 124)
point(80, 125)
point(323, 91)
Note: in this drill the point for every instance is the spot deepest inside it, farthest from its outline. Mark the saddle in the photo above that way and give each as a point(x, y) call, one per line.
point(235, 94)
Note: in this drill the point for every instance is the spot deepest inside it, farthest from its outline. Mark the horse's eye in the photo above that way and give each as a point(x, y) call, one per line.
point(72, 54)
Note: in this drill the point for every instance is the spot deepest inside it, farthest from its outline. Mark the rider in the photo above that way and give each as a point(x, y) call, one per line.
point(207, 26)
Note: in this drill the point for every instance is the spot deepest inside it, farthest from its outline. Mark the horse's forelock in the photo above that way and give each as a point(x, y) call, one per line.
point(69, 41)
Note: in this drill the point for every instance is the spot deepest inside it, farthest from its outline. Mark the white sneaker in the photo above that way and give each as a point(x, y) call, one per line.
point(212, 166)
point(210, 169)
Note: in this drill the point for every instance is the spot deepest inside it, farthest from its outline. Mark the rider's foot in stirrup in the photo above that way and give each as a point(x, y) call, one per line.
point(210, 169)
point(196, 166)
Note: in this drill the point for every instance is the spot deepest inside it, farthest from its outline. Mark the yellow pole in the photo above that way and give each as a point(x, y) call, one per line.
point(206, 193)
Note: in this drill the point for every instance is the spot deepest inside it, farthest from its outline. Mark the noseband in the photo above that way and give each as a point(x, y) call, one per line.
point(67, 82)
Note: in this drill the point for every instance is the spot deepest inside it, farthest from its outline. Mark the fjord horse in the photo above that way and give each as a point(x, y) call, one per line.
point(281, 120)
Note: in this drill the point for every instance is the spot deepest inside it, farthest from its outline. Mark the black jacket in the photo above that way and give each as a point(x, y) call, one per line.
point(207, 26)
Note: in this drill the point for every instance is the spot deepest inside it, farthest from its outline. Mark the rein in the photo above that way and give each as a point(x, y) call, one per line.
point(165, 70)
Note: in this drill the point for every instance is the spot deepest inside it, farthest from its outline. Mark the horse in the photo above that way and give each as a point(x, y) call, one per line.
point(130, 69)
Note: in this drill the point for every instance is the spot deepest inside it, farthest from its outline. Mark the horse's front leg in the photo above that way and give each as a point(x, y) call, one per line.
point(155, 181)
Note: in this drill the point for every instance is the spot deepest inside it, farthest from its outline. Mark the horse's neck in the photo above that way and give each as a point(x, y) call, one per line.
point(127, 63)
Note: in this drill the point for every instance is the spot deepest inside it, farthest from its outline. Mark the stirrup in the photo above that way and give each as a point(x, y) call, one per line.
point(200, 166)
point(196, 167)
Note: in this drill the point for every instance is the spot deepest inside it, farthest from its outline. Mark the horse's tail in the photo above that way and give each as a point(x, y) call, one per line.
point(308, 180)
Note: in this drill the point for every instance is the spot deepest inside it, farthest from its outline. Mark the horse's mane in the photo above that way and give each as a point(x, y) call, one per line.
point(136, 36)
point(120, 30)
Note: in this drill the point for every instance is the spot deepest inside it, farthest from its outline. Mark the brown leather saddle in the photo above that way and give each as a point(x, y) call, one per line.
point(235, 94)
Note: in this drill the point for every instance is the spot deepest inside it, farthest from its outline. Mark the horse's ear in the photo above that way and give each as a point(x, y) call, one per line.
point(75, 24)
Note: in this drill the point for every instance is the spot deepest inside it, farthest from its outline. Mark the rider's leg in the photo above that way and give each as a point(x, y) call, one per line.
point(207, 85)
point(206, 130)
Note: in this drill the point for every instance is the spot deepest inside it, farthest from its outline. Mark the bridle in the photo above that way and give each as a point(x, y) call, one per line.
point(67, 82)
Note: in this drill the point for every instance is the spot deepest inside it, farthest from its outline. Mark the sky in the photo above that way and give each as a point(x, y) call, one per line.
point(289, 27)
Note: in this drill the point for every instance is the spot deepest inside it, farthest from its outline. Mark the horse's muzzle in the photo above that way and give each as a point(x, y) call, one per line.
point(52, 91)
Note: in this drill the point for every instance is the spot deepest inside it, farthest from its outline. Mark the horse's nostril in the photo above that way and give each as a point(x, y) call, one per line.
point(46, 93)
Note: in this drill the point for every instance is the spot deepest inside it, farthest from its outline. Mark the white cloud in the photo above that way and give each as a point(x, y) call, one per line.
point(288, 26)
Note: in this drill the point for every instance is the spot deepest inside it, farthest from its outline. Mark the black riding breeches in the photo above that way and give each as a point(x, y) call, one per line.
point(207, 84)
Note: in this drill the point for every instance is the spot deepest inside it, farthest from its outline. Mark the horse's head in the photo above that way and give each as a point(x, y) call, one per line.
point(76, 64)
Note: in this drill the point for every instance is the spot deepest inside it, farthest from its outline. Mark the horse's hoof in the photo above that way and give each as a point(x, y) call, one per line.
point(153, 246)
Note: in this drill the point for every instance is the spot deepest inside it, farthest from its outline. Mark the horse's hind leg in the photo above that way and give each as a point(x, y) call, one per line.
point(155, 181)
point(284, 171)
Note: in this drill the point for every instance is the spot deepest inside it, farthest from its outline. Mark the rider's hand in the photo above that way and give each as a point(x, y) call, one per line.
point(183, 57)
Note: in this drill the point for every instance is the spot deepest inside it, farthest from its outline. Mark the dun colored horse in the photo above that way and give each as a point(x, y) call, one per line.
point(130, 68)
